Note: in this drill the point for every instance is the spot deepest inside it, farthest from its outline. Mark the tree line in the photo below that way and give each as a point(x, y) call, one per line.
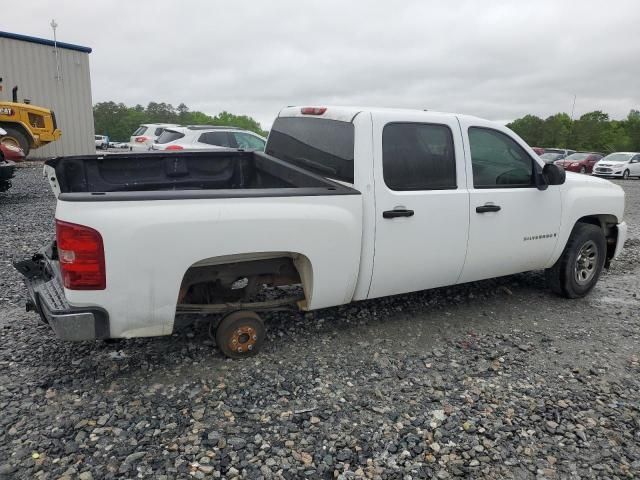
point(592, 132)
point(119, 121)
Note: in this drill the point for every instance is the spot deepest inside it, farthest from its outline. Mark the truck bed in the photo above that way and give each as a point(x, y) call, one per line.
point(175, 175)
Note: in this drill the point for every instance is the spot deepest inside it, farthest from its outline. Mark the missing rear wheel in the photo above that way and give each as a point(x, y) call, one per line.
point(240, 334)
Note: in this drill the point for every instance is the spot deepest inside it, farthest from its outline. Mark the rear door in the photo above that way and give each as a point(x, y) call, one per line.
point(513, 226)
point(421, 203)
point(219, 139)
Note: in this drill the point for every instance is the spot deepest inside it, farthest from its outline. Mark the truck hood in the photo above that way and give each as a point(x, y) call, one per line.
point(579, 179)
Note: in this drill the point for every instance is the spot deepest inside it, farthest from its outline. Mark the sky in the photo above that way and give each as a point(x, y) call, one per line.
point(497, 59)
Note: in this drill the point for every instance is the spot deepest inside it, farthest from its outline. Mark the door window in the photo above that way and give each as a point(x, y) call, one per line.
point(418, 156)
point(498, 161)
point(221, 139)
point(248, 142)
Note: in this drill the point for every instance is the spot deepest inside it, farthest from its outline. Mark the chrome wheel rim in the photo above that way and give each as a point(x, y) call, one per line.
point(586, 263)
point(625, 175)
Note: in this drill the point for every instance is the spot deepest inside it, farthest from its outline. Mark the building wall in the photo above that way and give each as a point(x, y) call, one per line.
point(32, 67)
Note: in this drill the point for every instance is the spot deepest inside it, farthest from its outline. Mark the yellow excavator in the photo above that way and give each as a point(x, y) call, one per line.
point(27, 126)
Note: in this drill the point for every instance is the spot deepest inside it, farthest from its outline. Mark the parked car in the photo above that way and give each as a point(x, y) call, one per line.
point(619, 164)
point(11, 152)
point(564, 151)
point(102, 142)
point(206, 136)
point(551, 157)
point(582, 162)
point(145, 135)
point(538, 150)
point(341, 206)
point(7, 170)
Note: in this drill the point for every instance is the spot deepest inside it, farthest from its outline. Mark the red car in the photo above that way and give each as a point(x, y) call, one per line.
point(581, 162)
point(9, 152)
point(538, 150)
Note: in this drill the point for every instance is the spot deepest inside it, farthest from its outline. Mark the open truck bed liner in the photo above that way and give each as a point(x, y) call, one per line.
point(182, 175)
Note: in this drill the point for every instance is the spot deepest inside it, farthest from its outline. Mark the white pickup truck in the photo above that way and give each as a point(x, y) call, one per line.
point(345, 204)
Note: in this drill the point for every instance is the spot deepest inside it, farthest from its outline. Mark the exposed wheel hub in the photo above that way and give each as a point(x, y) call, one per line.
point(243, 339)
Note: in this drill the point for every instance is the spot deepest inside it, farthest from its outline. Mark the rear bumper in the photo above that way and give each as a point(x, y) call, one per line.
point(46, 297)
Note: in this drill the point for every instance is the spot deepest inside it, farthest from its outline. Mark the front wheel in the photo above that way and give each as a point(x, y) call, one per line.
point(580, 265)
point(625, 175)
point(583, 169)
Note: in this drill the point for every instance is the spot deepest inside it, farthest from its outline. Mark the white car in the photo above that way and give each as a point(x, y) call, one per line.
point(204, 137)
point(146, 134)
point(345, 204)
point(102, 141)
point(619, 164)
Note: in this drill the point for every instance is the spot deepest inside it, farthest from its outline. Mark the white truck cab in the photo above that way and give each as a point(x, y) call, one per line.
point(348, 203)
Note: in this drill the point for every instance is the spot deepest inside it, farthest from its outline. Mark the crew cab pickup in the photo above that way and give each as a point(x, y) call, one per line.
point(345, 204)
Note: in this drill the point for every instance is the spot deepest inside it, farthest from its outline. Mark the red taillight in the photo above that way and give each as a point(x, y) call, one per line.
point(141, 139)
point(81, 255)
point(174, 147)
point(313, 110)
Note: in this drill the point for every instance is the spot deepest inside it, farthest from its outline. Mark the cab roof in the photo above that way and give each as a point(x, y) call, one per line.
point(347, 114)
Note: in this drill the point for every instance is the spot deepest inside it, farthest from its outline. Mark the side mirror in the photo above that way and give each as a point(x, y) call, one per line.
point(553, 174)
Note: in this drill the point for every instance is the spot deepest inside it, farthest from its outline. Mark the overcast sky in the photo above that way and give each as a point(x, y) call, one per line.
point(495, 59)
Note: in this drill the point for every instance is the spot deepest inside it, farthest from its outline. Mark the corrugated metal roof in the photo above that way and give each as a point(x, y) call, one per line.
point(44, 41)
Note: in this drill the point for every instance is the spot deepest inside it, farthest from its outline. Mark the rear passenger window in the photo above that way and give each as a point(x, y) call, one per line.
point(220, 139)
point(498, 161)
point(418, 156)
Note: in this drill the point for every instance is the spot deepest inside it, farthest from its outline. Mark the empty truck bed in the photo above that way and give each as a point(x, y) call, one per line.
point(198, 174)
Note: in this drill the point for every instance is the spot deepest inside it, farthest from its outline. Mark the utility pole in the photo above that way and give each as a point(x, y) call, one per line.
point(573, 108)
point(54, 25)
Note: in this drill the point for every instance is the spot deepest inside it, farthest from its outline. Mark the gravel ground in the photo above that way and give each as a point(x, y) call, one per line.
point(495, 379)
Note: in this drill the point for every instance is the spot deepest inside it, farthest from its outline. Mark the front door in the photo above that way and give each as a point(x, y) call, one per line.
point(422, 204)
point(513, 226)
point(634, 165)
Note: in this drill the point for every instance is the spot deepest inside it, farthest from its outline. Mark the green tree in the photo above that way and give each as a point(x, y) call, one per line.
point(530, 128)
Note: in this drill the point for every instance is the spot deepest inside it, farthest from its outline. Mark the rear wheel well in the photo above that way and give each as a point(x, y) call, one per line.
point(234, 279)
point(608, 224)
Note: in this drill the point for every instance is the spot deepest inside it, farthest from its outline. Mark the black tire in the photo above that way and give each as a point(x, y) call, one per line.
point(625, 175)
point(15, 137)
point(240, 334)
point(583, 169)
point(576, 272)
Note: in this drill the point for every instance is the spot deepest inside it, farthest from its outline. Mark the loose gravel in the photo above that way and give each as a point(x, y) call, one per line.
point(494, 379)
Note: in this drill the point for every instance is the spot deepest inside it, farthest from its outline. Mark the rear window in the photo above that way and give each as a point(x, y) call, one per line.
point(317, 144)
point(141, 129)
point(158, 131)
point(169, 136)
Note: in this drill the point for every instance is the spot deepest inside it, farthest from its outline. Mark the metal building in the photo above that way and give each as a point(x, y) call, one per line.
point(58, 80)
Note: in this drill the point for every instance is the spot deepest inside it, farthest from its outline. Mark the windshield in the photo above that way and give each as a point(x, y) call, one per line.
point(318, 144)
point(617, 157)
point(577, 157)
point(550, 157)
point(553, 150)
